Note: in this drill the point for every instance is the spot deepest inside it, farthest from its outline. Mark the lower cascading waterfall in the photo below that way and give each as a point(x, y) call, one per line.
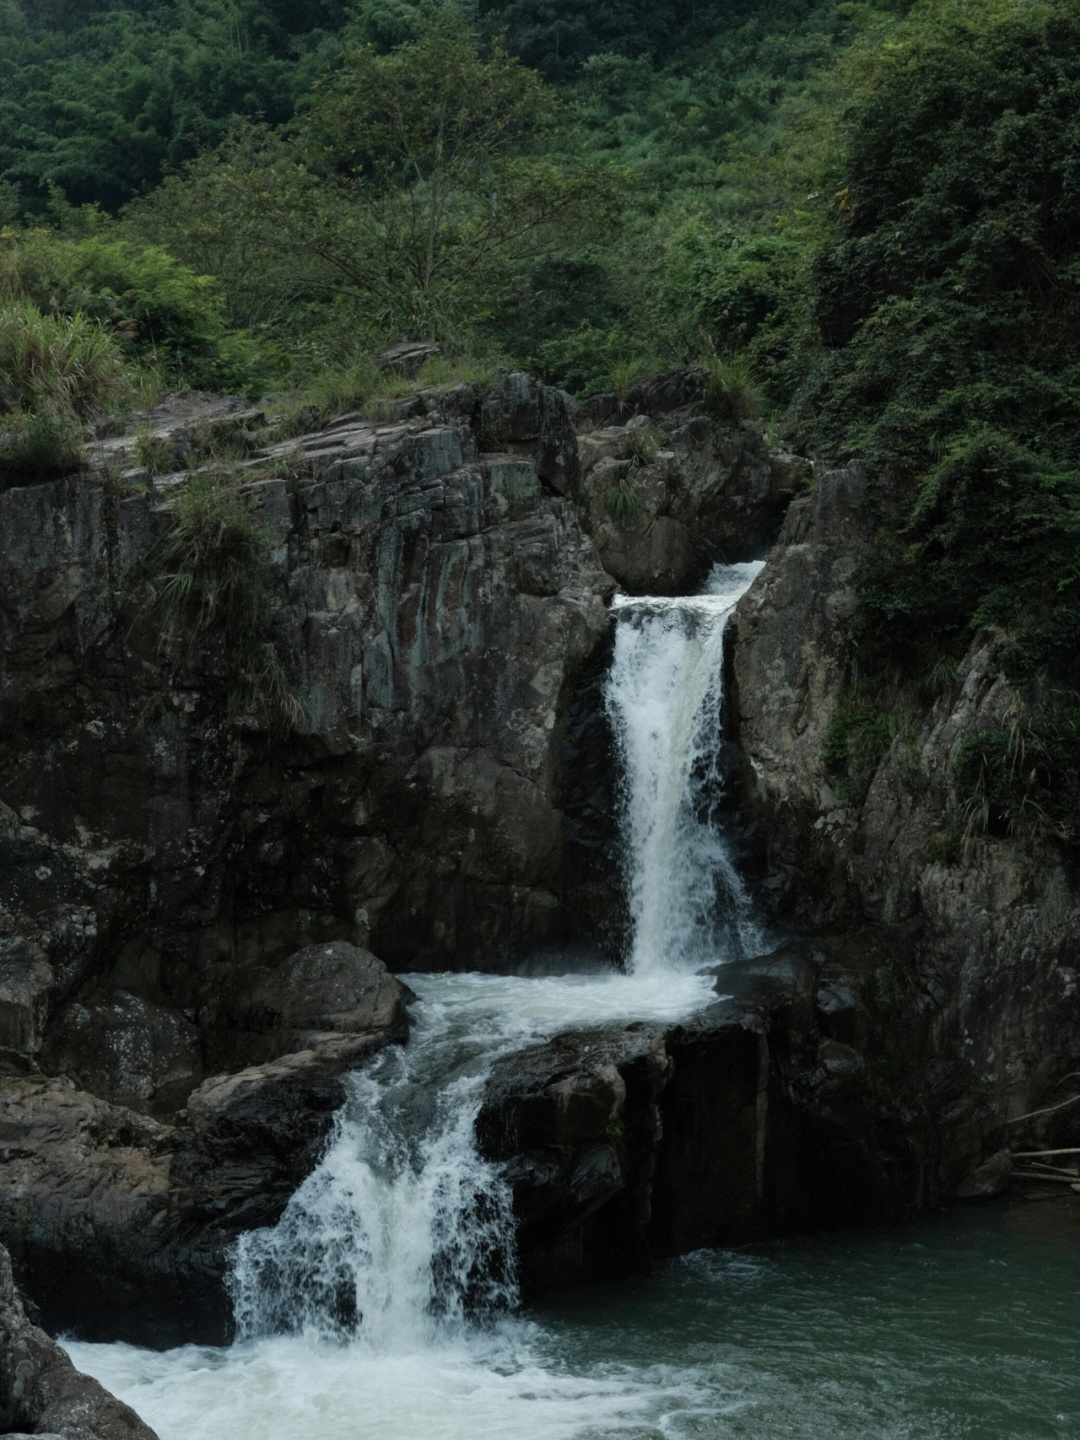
point(400, 1231)
point(403, 1232)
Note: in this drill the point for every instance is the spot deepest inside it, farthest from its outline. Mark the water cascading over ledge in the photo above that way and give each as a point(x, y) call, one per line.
point(688, 906)
point(404, 1231)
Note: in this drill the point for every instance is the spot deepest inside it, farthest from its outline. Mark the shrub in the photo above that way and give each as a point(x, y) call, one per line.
point(35, 447)
point(155, 309)
point(730, 392)
point(623, 499)
point(57, 364)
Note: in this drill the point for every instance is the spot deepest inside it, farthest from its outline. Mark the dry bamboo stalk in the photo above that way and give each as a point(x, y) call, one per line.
point(1049, 1109)
point(1038, 1154)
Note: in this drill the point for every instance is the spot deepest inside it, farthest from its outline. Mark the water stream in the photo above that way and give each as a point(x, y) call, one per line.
point(383, 1302)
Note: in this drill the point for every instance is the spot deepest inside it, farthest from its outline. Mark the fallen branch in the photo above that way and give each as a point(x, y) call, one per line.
point(1049, 1110)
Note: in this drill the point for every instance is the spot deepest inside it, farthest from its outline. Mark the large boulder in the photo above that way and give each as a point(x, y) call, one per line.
point(665, 498)
point(317, 995)
point(802, 1099)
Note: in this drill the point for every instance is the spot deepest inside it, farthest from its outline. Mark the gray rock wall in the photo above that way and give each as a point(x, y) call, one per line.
point(998, 920)
point(433, 608)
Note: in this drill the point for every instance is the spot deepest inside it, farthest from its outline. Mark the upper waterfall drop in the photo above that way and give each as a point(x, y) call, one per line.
point(688, 906)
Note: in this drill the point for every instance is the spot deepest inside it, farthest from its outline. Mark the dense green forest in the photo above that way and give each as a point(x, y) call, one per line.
point(862, 215)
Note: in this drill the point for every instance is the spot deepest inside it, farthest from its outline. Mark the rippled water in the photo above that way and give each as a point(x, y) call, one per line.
point(966, 1326)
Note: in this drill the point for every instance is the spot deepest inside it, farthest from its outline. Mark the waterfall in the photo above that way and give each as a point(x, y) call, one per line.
point(403, 1233)
point(688, 907)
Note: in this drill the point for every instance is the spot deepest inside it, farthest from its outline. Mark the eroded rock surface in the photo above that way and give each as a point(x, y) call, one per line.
point(434, 605)
point(668, 491)
point(804, 1099)
point(41, 1392)
point(194, 885)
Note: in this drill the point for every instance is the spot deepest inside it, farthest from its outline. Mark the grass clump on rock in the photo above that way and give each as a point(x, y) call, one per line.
point(55, 372)
point(214, 578)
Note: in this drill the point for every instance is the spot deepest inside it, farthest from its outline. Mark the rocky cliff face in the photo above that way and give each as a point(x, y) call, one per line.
point(433, 607)
point(185, 877)
point(994, 922)
point(193, 880)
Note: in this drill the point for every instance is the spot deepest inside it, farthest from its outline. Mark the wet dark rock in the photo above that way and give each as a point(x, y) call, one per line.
point(987, 1180)
point(993, 980)
point(666, 500)
point(626, 1144)
point(433, 602)
point(41, 1392)
point(314, 996)
point(147, 1213)
point(129, 1051)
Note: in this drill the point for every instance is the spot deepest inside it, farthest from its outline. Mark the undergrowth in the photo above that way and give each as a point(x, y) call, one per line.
point(214, 579)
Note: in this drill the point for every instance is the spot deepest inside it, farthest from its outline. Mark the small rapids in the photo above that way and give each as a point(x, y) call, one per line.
point(403, 1232)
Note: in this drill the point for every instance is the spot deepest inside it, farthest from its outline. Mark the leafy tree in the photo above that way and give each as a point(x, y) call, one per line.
point(949, 310)
point(420, 184)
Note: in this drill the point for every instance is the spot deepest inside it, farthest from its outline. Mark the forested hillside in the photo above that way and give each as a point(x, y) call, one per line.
point(862, 218)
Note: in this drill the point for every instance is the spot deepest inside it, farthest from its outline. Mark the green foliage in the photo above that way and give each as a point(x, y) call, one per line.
point(730, 391)
point(57, 365)
point(36, 446)
point(1021, 778)
point(948, 306)
point(154, 309)
point(623, 498)
point(435, 190)
point(102, 99)
point(859, 735)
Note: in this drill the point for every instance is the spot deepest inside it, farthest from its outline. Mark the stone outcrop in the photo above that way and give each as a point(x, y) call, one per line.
point(805, 1098)
point(996, 919)
point(166, 843)
point(145, 1212)
point(41, 1392)
point(669, 492)
point(191, 878)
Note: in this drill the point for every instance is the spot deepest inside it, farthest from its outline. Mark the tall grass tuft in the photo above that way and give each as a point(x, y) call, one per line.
point(215, 576)
point(57, 364)
point(731, 393)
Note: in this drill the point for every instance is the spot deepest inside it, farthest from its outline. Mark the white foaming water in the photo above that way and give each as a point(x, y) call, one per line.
point(395, 1246)
point(403, 1233)
point(688, 907)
